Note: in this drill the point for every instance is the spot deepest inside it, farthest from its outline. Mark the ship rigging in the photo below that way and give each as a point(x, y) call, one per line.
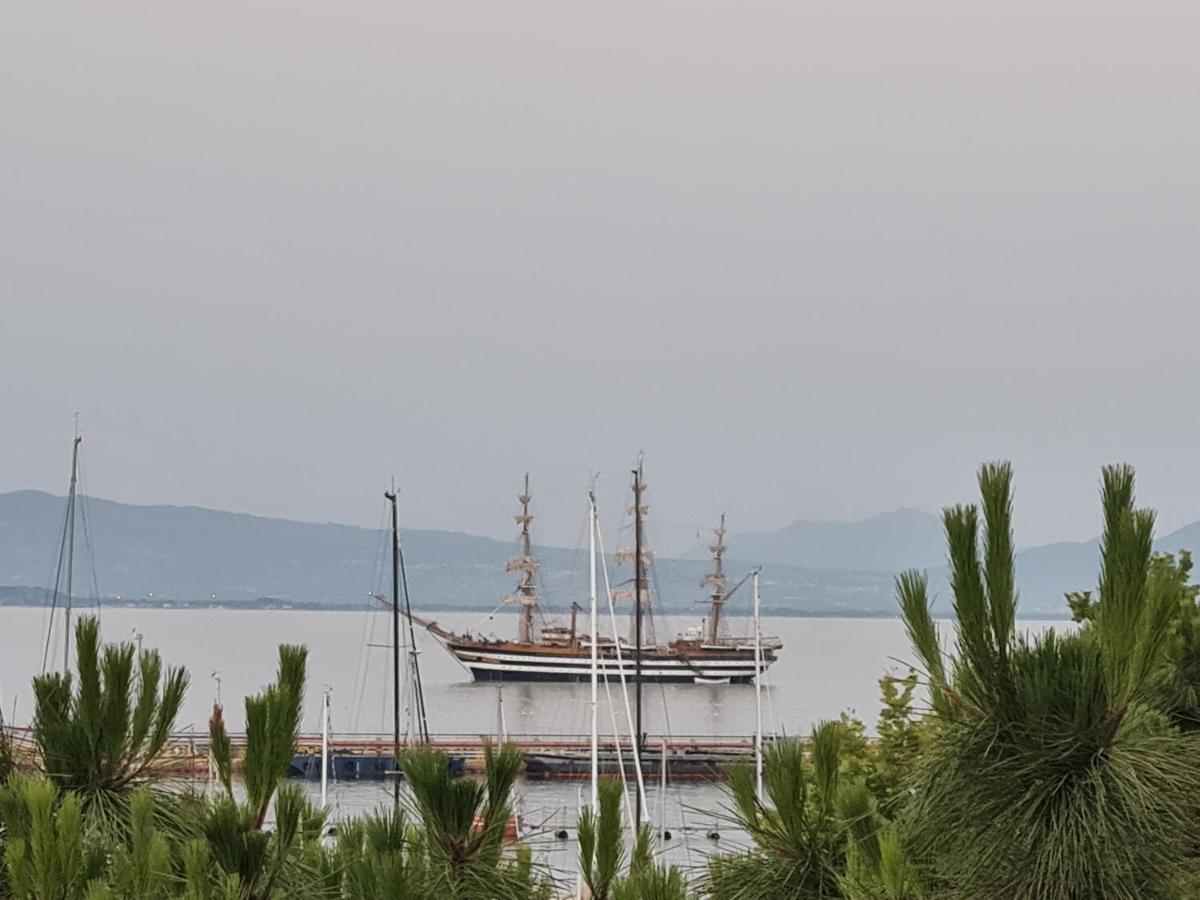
point(703, 655)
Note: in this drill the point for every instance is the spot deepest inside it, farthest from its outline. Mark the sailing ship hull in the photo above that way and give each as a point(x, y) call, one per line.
point(533, 662)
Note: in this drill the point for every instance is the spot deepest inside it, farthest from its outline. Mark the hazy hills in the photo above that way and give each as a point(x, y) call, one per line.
point(881, 544)
point(888, 542)
point(194, 555)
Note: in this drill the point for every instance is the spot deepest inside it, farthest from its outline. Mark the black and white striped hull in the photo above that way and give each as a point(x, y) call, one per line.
point(507, 663)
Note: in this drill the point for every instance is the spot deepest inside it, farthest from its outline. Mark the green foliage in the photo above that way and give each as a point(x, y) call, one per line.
point(799, 841)
point(646, 879)
point(1134, 611)
point(142, 868)
point(45, 854)
point(1048, 773)
point(877, 864)
point(7, 763)
point(601, 842)
point(1082, 606)
point(255, 863)
point(651, 882)
point(912, 592)
point(53, 855)
point(221, 749)
point(100, 733)
point(1176, 689)
point(901, 737)
point(272, 725)
point(236, 845)
point(855, 751)
point(455, 850)
point(202, 880)
point(464, 823)
point(381, 856)
point(295, 844)
point(884, 763)
point(602, 854)
point(1181, 681)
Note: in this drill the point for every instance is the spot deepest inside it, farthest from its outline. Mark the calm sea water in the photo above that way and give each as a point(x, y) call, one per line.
point(827, 666)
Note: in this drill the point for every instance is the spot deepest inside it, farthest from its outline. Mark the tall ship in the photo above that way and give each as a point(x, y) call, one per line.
point(546, 651)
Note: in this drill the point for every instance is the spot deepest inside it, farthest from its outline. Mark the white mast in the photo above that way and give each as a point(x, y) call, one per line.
point(595, 748)
point(501, 724)
point(758, 672)
point(325, 750)
point(620, 663)
point(595, 641)
point(662, 795)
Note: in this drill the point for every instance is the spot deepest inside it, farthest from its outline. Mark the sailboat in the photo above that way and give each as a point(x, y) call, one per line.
point(701, 655)
point(66, 553)
point(408, 695)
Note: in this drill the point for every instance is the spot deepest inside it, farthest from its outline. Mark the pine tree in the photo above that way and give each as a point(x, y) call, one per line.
point(1050, 772)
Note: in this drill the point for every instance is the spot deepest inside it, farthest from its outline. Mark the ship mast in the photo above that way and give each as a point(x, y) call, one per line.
point(390, 496)
point(640, 556)
point(592, 609)
point(639, 579)
point(525, 563)
point(716, 580)
point(758, 678)
point(400, 589)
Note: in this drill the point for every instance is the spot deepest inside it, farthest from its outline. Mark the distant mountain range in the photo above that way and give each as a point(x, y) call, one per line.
point(908, 538)
point(192, 556)
point(889, 542)
point(188, 556)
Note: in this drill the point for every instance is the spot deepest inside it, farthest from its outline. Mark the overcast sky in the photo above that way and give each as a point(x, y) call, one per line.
point(816, 260)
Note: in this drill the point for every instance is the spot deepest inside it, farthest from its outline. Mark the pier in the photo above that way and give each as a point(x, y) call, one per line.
point(547, 757)
point(369, 755)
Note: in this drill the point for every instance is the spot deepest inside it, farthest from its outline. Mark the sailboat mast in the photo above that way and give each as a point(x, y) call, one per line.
point(414, 667)
point(595, 641)
point(325, 750)
point(391, 498)
point(638, 579)
point(501, 724)
point(70, 551)
point(662, 795)
point(758, 672)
